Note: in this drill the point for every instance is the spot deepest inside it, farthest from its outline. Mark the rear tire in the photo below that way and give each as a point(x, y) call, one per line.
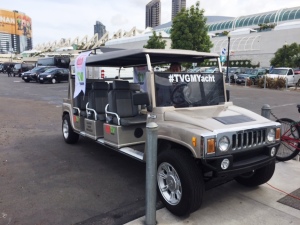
point(68, 134)
point(257, 177)
point(179, 181)
point(285, 151)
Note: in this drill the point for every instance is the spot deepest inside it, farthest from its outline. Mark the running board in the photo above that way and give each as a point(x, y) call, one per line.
point(132, 152)
point(125, 150)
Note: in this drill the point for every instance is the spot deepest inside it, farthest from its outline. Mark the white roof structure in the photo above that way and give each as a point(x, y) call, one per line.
point(242, 31)
point(289, 25)
point(140, 37)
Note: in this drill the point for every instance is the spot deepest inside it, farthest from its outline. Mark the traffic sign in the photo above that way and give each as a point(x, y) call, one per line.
point(223, 51)
point(223, 58)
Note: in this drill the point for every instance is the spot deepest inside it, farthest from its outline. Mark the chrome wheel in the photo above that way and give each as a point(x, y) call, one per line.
point(169, 183)
point(66, 129)
point(53, 80)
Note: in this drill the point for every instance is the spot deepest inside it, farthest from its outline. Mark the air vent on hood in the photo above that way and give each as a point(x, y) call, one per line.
point(233, 119)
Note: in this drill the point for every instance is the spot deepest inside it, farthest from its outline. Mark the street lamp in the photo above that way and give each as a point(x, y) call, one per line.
point(284, 53)
point(228, 50)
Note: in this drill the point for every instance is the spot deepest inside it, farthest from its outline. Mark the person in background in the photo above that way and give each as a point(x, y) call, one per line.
point(8, 70)
point(175, 67)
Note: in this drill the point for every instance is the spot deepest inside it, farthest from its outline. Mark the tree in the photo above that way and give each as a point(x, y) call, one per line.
point(156, 42)
point(287, 56)
point(189, 30)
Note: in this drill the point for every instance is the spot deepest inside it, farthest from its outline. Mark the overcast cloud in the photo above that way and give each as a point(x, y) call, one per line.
point(56, 19)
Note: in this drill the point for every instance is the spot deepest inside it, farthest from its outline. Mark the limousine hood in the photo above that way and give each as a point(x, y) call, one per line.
point(213, 118)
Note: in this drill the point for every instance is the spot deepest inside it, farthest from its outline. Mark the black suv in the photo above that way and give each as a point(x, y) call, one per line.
point(20, 68)
point(32, 75)
point(54, 75)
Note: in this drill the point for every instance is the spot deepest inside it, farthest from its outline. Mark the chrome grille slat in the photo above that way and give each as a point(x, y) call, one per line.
point(248, 139)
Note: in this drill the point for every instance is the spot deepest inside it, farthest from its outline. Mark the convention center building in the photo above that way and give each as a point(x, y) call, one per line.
point(15, 32)
point(253, 37)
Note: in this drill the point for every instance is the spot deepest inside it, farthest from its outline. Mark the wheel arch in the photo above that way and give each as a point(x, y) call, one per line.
point(165, 144)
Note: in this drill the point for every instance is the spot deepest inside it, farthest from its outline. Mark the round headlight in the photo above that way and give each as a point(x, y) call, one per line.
point(224, 144)
point(271, 135)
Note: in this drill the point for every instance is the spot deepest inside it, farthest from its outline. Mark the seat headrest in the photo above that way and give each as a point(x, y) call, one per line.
point(120, 85)
point(135, 86)
point(100, 86)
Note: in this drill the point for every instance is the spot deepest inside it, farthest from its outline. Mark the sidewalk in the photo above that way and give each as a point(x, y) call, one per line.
point(235, 204)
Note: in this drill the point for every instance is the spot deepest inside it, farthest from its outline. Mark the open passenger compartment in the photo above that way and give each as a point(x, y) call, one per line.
point(95, 107)
point(125, 123)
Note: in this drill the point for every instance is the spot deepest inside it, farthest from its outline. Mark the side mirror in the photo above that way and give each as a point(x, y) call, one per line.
point(227, 95)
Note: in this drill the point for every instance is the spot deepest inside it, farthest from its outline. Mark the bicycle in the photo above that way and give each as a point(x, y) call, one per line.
point(290, 139)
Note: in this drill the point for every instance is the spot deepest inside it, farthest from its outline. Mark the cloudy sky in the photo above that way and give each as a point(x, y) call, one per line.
point(56, 19)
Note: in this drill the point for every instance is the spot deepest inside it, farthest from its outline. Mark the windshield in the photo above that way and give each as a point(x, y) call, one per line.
point(279, 71)
point(189, 89)
point(232, 70)
point(254, 72)
point(36, 69)
point(211, 70)
point(50, 70)
point(17, 66)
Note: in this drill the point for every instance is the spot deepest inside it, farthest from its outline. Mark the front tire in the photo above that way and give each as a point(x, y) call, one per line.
point(257, 177)
point(53, 80)
point(68, 134)
point(179, 181)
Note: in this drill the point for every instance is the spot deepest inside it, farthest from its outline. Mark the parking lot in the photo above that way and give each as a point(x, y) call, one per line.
point(45, 181)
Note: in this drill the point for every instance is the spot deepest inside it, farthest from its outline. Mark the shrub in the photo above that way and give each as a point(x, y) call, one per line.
point(272, 83)
point(260, 82)
point(249, 82)
point(280, 82)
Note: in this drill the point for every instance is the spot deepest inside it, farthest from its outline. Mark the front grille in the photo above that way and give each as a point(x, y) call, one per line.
point(248, 139)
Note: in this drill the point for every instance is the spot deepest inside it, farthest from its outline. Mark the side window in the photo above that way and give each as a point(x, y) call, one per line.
point(290, 72)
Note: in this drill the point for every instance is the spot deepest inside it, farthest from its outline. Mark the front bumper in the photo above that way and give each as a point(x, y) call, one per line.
point(27, 77)
point(241, 162)
point(45, 79)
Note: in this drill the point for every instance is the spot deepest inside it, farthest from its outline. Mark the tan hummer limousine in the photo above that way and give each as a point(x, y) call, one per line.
point(203, 139)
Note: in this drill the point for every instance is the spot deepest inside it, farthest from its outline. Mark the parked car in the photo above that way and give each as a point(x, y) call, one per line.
point(54, 75)
point(215, 70)
point(233, 72)
point(292, 77)
point(254, 75)
point(20, 68)
point(32, 75)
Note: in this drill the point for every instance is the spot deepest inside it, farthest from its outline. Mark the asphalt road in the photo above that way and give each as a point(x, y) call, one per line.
point(45, 181)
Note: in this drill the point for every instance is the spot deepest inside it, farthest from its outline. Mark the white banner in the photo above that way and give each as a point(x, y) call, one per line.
point(80, 73)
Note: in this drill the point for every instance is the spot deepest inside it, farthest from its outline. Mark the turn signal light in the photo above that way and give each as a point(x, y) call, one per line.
point(277, 135)
point(211, 147)
point(194, 141)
